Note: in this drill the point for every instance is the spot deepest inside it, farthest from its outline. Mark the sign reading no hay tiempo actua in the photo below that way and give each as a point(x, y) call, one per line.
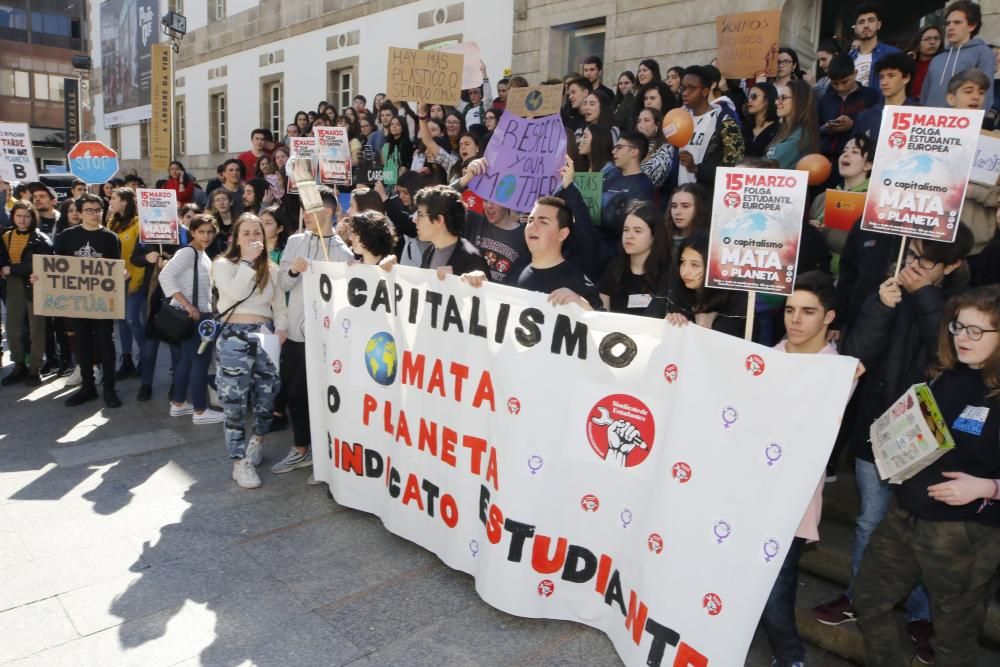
point(644, 479)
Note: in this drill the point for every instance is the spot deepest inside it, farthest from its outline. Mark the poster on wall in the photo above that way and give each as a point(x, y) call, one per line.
point(128, 29)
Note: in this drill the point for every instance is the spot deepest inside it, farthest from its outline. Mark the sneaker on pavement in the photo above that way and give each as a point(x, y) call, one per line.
point(255, 450)
point(145, 392)
point(64, 370)
point(835, 612)
point(181, 410)
point(921, 633)
point(245, 475)
point(75, 378)
point(33, 380)
point(111, 399)
point(208, 417)
point(81, 396)
point(292, 461)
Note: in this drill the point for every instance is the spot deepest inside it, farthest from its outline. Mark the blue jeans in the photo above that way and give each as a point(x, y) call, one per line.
point(133, 327)
point(778, 618)
point(875, 498)
point(147, 359)
point(191, 373)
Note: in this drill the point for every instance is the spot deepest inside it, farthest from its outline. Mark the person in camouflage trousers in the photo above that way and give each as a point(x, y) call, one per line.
point(252, 306)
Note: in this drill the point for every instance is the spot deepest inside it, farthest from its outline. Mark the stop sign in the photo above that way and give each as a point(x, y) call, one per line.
point(93, 162)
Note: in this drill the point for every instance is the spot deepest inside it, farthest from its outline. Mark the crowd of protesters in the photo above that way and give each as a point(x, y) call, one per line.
point(245, 244)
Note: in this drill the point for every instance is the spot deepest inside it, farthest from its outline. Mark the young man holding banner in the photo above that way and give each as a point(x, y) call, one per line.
point(91, 239)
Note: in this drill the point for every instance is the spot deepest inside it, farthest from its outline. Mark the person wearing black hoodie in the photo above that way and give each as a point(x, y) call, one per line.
point(22, 242)
point(895, 337)
point(943, 529)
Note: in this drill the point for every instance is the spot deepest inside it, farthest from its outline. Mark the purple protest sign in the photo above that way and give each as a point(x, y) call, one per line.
point(524, 156)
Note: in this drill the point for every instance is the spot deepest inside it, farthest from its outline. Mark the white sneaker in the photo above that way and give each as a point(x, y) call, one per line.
point(255, 450)
point(181, 410)
point(75, 379)
point(208, 416)
point(245, 475)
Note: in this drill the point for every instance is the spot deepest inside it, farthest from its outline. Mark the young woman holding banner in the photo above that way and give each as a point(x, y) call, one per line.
point(635, 275)
point(943, 528)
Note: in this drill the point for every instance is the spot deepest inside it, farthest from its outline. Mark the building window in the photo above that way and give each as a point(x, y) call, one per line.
point(176, 6)
point(272, 107)
point(13, 18)
point(217, 122)
point(49, 87)
point(14, 83)
point(116, 143)
point(584, 41)
point(144, 129)
point(180, 129)
point(217, 9)
point(52, 24)
point(341, 91)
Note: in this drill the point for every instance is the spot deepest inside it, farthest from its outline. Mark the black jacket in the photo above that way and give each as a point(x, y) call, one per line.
point(38, 244)
point(864, 265)
point(464, 259)
point(896, 345)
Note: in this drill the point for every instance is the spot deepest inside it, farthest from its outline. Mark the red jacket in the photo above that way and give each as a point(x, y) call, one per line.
point(185, 194)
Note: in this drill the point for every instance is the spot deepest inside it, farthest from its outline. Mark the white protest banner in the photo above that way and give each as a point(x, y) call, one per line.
point(472, 73)
point(17, 158)
point(304, 148)
point(986, 165)
point(921, 170)
point(756, 226)
point(158, 216)
point(333, 152)
point(612, 470)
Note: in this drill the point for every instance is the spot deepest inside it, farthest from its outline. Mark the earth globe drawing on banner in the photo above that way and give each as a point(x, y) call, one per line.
point(533, 101)
point(381, 358)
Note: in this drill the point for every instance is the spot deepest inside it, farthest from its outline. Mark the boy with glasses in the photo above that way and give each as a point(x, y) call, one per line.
point(895, 337)
point(91, 239)
point(623, 185)
point(717, 140)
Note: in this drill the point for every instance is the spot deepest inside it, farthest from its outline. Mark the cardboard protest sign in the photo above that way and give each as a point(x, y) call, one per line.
point(17, 157)
point(472, 73)
point(921, 171)
point(590, 186)
point(158, 216)
point(301, 148)
point(531, 446)
point(431, 77)
point(333, 152)
point(524, 157)
point(756, 225)
point(85, 287)
point(986, 164)
point(748, 43)
point(843, 209)
point(912, 434)
point(534, 101)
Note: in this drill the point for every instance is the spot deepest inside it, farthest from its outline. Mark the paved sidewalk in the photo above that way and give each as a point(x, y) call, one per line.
point(123, 540)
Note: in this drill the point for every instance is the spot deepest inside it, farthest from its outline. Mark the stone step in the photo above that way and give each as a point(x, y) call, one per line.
point(830, 560)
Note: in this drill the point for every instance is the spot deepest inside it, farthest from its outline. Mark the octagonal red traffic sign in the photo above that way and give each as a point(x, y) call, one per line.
point(93, 162)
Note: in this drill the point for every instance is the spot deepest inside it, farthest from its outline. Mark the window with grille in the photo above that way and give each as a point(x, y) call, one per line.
point(218, 123)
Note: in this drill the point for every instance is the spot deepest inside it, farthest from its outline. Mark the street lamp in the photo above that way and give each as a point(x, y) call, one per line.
point(174, 26)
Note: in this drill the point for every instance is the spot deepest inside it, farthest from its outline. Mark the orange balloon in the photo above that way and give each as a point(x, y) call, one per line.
point(678, 127)
point(818, 167)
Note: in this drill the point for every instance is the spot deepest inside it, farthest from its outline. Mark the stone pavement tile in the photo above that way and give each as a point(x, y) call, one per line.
point(171, 636)
point(13, 481)
point(478, 635)
point(33, 628)
point(12, 550)
point(45, 577)
point(136, 594)
point(582, 645)
point(110, 449)
point(386, 613)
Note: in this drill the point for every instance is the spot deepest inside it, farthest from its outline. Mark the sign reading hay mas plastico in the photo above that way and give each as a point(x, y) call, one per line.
point(17, 158)
point(84, 287)
point(756, 227)
point(158, 216)
point(524, 157)
point(431, 77)
point(921, 171)
point(334, 155)
point(644, 479)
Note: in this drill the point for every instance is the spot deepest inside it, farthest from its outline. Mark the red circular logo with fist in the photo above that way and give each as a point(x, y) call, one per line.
point(620, 430)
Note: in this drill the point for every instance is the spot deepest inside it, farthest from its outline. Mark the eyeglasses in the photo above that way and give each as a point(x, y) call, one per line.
point(753, 97)
point(972, 332)
point(923, 262)
point(784, 98)
point(90, 210)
